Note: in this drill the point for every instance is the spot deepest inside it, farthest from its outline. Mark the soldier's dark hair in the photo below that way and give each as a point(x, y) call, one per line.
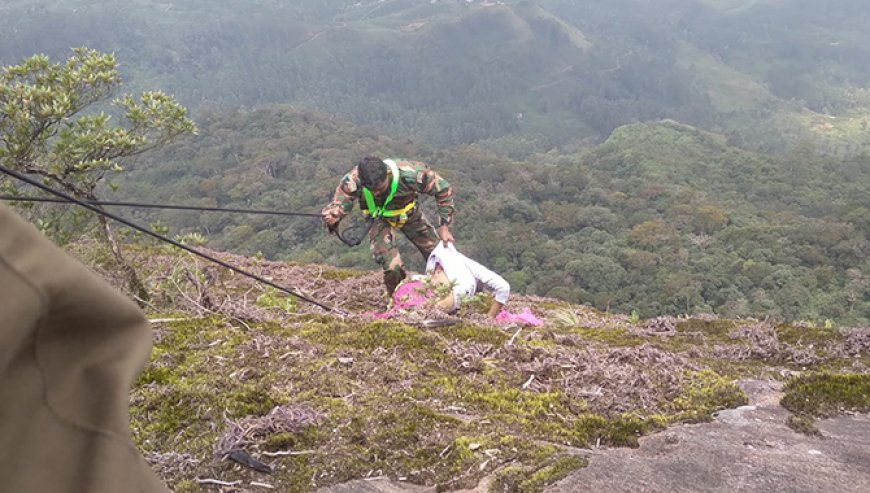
point(372, 171)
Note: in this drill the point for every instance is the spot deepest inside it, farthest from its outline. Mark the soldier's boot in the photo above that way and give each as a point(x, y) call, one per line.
point(392, 278)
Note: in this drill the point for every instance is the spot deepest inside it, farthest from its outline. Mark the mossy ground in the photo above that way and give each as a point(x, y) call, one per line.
point(393, 400)
point(441, 406)
point(824, 395)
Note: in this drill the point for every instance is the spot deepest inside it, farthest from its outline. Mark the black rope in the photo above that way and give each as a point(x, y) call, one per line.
point(86, 205)
point(14, 198)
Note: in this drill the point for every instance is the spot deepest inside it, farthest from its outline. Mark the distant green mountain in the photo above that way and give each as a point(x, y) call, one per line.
point(515, 76)
point(660, 218)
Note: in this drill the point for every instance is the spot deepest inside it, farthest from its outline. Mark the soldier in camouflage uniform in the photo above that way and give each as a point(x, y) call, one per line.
point(387, 190)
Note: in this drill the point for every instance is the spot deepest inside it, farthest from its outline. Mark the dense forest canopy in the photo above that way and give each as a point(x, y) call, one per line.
point(676, 156)
point(518, 77)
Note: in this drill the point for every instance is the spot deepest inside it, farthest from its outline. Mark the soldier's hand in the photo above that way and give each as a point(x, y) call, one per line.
point(331, 222)
point(445, 235)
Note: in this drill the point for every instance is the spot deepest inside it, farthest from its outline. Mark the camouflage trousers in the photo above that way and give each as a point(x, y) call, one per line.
point(381, 241)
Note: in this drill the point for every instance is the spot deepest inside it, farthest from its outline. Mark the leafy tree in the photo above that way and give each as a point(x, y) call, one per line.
point(595, 272)
point(49, 127)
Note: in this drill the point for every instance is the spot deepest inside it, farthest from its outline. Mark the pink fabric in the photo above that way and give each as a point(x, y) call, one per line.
point(408, 295)
point(525, 317)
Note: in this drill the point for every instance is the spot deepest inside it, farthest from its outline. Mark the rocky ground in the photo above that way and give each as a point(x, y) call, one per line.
point(744, 449)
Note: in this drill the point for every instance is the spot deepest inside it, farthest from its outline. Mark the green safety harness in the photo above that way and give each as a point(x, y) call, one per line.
point(395, 217)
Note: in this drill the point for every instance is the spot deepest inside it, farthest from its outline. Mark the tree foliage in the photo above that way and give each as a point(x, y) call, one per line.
point(45, 128)
point(51, 127)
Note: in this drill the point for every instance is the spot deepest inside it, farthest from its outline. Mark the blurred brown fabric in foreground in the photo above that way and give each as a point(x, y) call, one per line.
point(70, 348)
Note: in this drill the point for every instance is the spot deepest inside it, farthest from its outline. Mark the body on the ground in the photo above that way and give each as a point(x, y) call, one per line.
point(466, 278)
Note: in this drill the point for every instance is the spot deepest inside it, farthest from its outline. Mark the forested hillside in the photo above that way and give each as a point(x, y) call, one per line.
point(661, 218)
point(600, 151)
point(518, 77)
point(677, 191)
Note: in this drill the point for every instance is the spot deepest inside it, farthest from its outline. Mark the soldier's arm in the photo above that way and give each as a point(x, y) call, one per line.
point(346, 193)
point(431, 183)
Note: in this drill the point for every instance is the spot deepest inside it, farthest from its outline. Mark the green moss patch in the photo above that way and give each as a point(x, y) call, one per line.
point(309, 436)
point(475, 333)
point(519, 479)
point(611, 337)
point(371, 336)
point(803, 424)
point(713, 330)
point(805, 336)
point(735, 370)
point(621, 431)
point(825, 395)
point(705, 393)
point(342, 274)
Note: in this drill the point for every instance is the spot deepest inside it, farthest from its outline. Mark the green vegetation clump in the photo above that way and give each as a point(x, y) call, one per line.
point(611, 337)
point(518, 479)
point(341, 274)
point(513, 404)
point(714, 331)
point(186, 486)
point(705, 393)
point(819, 336)
point(370, 336)
point(273, 298)
point(824, 395)
point(251, 400)
point(475, 333)
point(310, 436)
point(620, 431)
point(803, 424)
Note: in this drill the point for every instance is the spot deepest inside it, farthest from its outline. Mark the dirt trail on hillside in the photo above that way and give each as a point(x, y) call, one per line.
point(745, 449)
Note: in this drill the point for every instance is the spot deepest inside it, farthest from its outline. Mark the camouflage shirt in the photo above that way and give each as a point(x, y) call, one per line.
point(414, 178)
